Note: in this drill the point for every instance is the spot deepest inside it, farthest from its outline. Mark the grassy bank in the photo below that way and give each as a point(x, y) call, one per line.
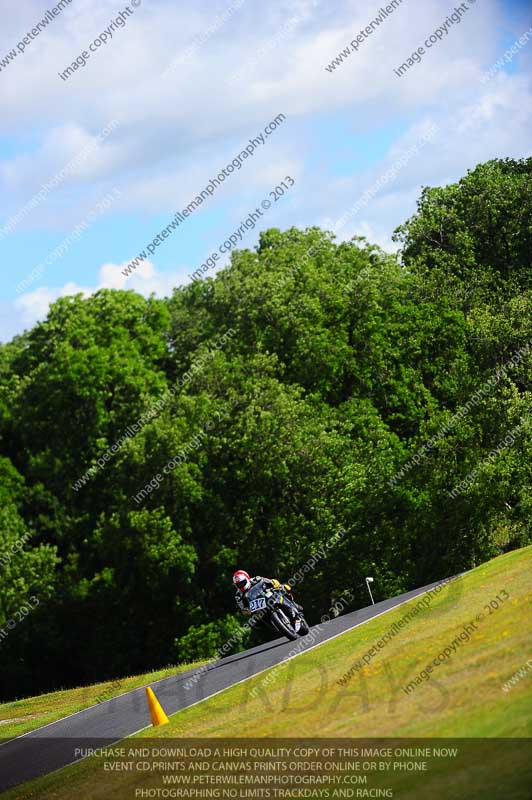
point(462, 697)
point(21, 716)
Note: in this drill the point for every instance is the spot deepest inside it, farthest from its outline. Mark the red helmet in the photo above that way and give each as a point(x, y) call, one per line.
point(242, 580)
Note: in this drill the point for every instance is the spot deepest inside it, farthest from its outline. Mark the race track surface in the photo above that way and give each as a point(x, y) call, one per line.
point(51, 747)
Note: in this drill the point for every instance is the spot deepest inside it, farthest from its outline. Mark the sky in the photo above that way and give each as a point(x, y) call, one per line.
point(95, 164)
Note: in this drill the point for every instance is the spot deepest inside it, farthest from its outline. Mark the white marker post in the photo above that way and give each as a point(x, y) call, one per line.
point(368, 581)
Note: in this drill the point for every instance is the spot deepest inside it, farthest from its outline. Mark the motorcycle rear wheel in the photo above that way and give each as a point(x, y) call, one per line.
point(304, 627)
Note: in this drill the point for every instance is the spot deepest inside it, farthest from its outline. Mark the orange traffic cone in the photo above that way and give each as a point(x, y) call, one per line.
point(158, 716)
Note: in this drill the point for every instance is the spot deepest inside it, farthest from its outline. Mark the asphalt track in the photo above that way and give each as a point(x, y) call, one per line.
point(53, 746)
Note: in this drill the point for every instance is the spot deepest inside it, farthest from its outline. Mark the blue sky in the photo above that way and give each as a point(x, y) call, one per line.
point(343, 129)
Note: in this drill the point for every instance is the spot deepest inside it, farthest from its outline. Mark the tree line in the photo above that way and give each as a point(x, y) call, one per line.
point(341, 401)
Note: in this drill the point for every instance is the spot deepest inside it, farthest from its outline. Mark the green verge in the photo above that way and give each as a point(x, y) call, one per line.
point(464, 697)
point(20, 716)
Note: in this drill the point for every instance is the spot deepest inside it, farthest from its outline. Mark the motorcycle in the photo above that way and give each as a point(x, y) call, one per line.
point(277, 610)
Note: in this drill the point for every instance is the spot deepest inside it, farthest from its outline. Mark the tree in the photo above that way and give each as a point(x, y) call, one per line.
point(146, 454)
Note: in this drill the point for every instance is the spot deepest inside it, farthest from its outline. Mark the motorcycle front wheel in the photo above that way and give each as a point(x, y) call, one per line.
point(283, 625)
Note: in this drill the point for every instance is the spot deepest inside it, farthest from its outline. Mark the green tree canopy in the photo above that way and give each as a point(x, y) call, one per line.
point(315, 401)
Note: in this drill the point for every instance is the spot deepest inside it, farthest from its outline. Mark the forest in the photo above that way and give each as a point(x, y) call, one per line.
point(315, 400)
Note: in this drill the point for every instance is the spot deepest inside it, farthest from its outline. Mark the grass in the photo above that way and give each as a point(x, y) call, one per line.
point(462, 698)
point(20, 716)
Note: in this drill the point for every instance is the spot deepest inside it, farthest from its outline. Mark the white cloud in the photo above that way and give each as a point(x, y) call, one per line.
point(176, 133)
point(33, 306)
point(145, 280)
point(494, 123)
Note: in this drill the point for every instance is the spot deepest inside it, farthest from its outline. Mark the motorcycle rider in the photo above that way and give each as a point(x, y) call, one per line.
point(243, 582)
